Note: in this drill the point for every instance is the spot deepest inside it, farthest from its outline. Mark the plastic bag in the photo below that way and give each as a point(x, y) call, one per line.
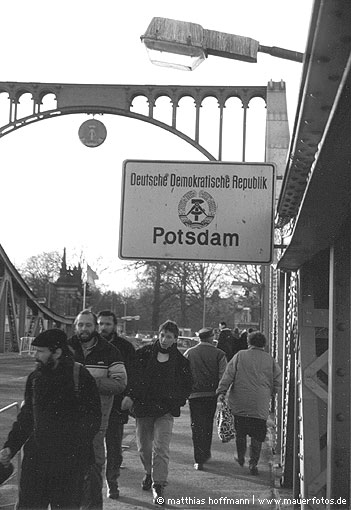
point(225, 423)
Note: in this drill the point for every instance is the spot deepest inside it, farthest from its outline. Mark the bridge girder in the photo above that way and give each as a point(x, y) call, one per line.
point(118, 100)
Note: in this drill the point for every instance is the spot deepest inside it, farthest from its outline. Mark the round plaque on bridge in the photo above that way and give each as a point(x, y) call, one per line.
point(92, 133)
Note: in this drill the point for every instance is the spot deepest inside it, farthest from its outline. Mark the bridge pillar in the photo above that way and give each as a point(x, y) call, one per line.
point(276, 151)
point(277, 129)
point(339, 394)
point(312, 377)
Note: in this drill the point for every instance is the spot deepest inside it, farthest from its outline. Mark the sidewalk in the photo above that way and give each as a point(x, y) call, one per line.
point(187, 488)
point(222, 485)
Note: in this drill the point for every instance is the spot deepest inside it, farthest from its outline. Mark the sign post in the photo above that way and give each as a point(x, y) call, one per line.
point(197, 211)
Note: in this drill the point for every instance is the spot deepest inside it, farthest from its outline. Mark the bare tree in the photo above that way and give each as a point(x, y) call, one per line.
point(39, 270)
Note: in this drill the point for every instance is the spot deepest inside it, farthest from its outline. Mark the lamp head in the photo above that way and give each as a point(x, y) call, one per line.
point(175, 44)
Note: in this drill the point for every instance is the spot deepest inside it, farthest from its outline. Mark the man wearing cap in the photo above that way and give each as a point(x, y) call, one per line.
point(207, 365)
point(105, 363)
point(59, 418)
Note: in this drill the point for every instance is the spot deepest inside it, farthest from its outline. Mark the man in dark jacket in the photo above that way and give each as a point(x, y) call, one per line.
point(160, 383)
point(240, 343)
point(57, 423)
point(226, 340)
point(107, 323)
point(106, 365)
point(207, 366)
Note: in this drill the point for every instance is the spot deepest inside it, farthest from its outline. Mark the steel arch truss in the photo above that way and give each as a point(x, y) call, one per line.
point(21, 315)
point(118, 100)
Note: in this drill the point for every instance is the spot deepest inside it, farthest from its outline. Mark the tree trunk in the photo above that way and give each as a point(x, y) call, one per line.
point(157, 298)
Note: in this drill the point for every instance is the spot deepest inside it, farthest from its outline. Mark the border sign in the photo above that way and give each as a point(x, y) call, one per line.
point(197, 211)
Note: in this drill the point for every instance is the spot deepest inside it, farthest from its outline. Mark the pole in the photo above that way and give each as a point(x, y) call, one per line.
point(204, 312)
point(274, 51)
point(84, 294)
point(124, 301)
point(49, 294)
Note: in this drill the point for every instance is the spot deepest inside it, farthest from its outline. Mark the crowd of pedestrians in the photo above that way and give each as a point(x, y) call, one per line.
point(84, 389)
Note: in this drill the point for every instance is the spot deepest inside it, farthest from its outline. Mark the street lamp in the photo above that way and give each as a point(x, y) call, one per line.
point(184, 45)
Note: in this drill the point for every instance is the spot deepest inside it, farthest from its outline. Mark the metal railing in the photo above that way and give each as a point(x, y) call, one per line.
point(26, 345)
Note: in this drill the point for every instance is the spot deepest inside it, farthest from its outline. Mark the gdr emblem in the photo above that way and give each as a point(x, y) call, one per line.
point(196, 210)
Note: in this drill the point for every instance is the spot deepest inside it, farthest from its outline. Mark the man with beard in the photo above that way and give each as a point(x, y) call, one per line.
point(107, 323)
point(58, 420)
point(106, 365)
point(159, 384)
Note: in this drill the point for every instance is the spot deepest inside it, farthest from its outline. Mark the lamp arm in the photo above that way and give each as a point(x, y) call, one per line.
point(275, 51)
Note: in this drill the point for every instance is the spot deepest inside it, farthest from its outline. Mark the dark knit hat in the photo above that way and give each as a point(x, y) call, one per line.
point(205, 333)
point(5, 472)
point(52, 338)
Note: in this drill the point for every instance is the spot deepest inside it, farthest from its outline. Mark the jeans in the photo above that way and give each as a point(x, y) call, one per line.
point(114, 458)
point(202, 412)
point(153, 438)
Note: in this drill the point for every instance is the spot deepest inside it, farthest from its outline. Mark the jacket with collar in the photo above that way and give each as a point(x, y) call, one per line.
point(141, 373)
point(127, 351)
point(253, 377)
point(105, 363)
point(53, 417)
point(207, 364)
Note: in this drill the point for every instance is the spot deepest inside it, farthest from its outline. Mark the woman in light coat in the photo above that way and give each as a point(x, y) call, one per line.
point(253, 377)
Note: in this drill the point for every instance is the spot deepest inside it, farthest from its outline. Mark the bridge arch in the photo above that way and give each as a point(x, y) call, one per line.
point(117, 100)
point(50, 114)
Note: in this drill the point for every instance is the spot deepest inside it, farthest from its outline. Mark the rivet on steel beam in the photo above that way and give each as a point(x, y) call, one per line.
point(340, 417)
point(315, 95)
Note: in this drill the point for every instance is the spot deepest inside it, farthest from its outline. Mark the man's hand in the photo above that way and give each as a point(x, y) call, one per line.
point(5, 456)
point(127, 404)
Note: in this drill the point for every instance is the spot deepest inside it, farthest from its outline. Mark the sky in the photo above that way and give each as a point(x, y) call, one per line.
point(57, 193)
